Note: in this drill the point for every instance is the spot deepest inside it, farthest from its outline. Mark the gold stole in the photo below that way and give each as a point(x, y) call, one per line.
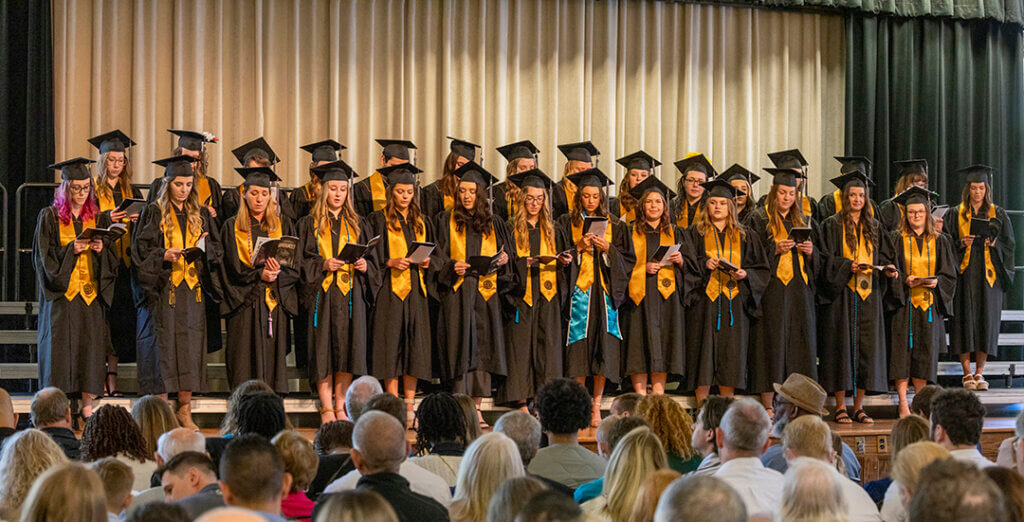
point(806, 205)
point(720, 282)
point(123, 243)
point(861, 281)
point(244, 248)
point(964, 224)
point(377, 191)
point(401, 281)
point(487, 284)
point(637, 280)
point(570, 193)
point(323, 242)
point(547, 270)
point(919, 266)
point(82, 279)
point(202, 187)
point(784, 271)
point(629, 216)
point(586, 275)
point(179, 271)
point(683, 219)
point(837, 197)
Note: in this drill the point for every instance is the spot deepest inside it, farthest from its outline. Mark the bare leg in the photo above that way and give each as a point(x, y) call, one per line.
point(918, 384)
point(391, 386)
point(409, 390)
point(766, 399)
point(726, 391)
point(658, 380)
point(479, 414)
point(87, 399)
point(841, 407)
point(341, 382)
point(323, 390)
point(965, 363)
point(702, 393)
point(595, 414)
point(639, 383)
point(858, 405)
point(111, 375)
point(163, 396)
point(980, 358)
point(901, 390)
point(184, 413)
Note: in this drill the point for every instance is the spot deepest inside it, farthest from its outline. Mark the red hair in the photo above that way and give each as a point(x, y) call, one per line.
point(62, 202)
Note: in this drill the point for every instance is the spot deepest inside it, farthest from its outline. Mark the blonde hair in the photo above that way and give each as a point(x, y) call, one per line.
point(635, 457)
point(733, 229)
point(808, 436)
point(669, 422)
point(80, 494)
point(300, 460)
point(124, 181)
point(906, 468)
point(510, 498)
point(26, 455)
point(321, 211)
point(521, 229)
point(650, 493)
point(487, 464)
point(154, 417)
point(796, 212)
point(314, 181)
point(270, 220)
point(512, 191)
point(811, 492)
point(117, 478)
point(357, 505)
point(190, 207)
point(908, 430)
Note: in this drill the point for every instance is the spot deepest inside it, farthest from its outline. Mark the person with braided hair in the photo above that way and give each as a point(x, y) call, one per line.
point(111, 432)
point(440, 436)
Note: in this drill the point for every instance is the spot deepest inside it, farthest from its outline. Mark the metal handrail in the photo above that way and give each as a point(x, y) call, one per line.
point(3, 245)
point(18, 251)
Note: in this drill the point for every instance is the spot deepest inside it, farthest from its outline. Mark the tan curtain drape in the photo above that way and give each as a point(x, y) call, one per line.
point(670, 78)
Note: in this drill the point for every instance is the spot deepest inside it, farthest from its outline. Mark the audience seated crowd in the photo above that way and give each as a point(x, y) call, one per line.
point(653, 462)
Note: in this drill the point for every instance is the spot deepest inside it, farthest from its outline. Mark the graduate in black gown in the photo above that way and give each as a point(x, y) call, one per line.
point(986, 273)
point(695, 170)
point(724, 299)
point(653, 322)
point(534, 336)
point(76, 287)
point(439, 196)
point(208, 190)
point(794, 159)
point(741, 179)
point(854, 297)
point(369, 194)
point(113, 185)
point(400, 323)
point(639, 165)
point(175, 287)
point(302, 198)
point(521, 157)
point(470, 328)
point(783, 340)
point(598, 280)
point(258, 298)
point(578, 158)
point(333, 292)
point(913, 172)
point(831, 204)
point(927, 268)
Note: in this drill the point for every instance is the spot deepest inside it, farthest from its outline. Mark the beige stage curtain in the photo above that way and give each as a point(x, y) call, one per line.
point(670, 78)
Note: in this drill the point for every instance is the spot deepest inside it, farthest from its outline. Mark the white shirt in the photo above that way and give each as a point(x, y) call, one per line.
point(708, 466)
point(758, 486)
point(420, 480)
point(1007, 458)
point(972, 455)
point(893, 509)
point(859, 506)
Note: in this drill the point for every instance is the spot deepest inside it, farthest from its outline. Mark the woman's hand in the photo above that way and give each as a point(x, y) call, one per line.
point(80, 246)
point(425, 264)
point(117, 215)
point(781, 247)
point(806, 248)
point(268, 275)
point(360, 265)
point(739, 274)
point(676, 258)
point(171, 255)
point(652, 268)
point(913, 281)
point(502, 259)
point(930, 283)
point(584, 243)
point(211, 210)
point(890, 271)
point(600, 243)
point(967, 241)
point(565, 258)
point(398, 263)
point(461, 267)
point(332, 264)
point(96, 245)
point(711, 263)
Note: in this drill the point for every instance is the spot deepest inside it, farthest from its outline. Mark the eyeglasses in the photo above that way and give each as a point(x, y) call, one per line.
point(916, 212)
point(693, 181)
point(534, 199)
point(116, 161)
point(78, 189)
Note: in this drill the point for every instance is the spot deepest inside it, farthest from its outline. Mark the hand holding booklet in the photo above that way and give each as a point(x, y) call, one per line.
point(664, 252)
point(352, 252)
point(595, 225)
point(984, 228)
point(282, 249)
point(110, 233)
point(727, 267)
point(192, 253)
point(483, 265)
point(419, 252)
point(799, 234)
point(939, 211)
point(131, 206)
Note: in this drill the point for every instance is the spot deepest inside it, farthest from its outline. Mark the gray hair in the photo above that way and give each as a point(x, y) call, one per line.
point(811, 491)
point(49, 406)
point(746, 425)
point(700, 498)
point(359, 393)
point(1019, 429)
point(524, 429)
point(179, 440)
point(380, 440)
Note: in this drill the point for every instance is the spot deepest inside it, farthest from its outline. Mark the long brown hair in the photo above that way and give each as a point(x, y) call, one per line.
point(907, 180)
point(577, 211)
point(733, 228)
point(449, 181)
point(796, 211)
point(664, 222)
point(965, 196)
point(391, 211)
point(520, 227)
point(124, 182)
point(190, 207)
point(478, 218)
point(320, 212)
point(870, 231)
point(270, 219)
point(313, 185)
point(512, 191)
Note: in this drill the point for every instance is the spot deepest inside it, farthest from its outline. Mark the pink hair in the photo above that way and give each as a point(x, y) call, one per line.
point(62, 202)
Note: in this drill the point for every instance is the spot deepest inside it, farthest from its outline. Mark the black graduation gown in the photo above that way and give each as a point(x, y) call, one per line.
point(502, 206)
point(432, 201)
point(336, 324)
point(615, 209)
point(599, 351)
point(718, 332)
point(301, 202)
point(977, 307)
point(470, 330)
point(230, 200)
point(362, 195)
point(72, 338)
point(784, 339)
point(400, 330)
point(691, 210)
point(851, 330)
point(534, 335)
point(827, 207)
point(890, 214)
point(121, 316)
point(654, 331)
point(918, 337)
point(258, 342)
point(559, 200)
point(171, 338)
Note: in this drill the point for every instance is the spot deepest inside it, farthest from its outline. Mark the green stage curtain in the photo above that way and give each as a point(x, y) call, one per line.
point(1007, 11)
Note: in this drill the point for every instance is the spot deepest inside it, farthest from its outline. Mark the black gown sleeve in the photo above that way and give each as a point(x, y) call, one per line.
point(1002, 251)
point(53, 264)
point(287, 285)
point(619, 261)
point(441, 262)
point(756, 266)
point(945, 268)
point(151, 271)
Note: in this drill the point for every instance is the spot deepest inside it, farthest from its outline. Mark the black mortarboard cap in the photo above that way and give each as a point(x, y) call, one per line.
point(113, 141)
point(719, 188)
point(592, 177)
point(463, 148)
point(582, 151)
point(787, 159)
point(74, 169)
point(785, 176)
point(334, 171)
point(852, 163)
point(652, 183)
point(911, 166)
point(326, 150)
point(854, 178)
point(190, 140)
point(977, 173)
point(531, 178)
point(915, 194)
point(401, 174)
point(737, 171)
point(258, 176)
point(396, 148)
point(638, 160)
point(473, 172)
point(519, 149)
point(698, 163)
point(177, 166)
point(248, 150)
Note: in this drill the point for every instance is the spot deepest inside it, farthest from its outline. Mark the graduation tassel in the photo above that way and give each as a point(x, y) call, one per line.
point(718, 319)
point(910, 326)
point(853, 358)
point(730, 313)
point(316, 309)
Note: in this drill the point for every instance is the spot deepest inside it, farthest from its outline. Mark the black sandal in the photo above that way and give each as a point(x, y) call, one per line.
point(841, 417)
point(862, 417)
point(107, 391)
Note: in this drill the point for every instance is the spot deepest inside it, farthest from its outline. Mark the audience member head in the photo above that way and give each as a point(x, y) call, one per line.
point(699, 498)
point(299, 457)
point(229, 425)
point(8, 418)
point(649, 494)
point(922, 403)
point(117, 478)
point(954, 490)
point(670, 422)
point(550, 506)
point(159, 512)
point(634, 458)
point(356, 505)
point(601, 434)
point(564, 407)
point(389, 404)
point(511, 496)
point(799, 395)
point(252, 474)
point(488, 463)
point(358, 393)
point(26, 455)
point(811, 492)
point(439, 419)
point(1011, 484)
point(957, 419)
point(378, 443)
point(473, 430)
point(907, 466)
point(743, 431)
point(837, 450)
point(625, 405)
point(50, 408)
point(177, 441)
point(111, 431)
point(908, 430)
point(621, 427)
point(810, 437)
point(230, 514)
point(80, 492)
point(154, 417)
point(524, 430)
point(333, 437)
point(186, 474)
point(261, 413)
point(708, 419)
